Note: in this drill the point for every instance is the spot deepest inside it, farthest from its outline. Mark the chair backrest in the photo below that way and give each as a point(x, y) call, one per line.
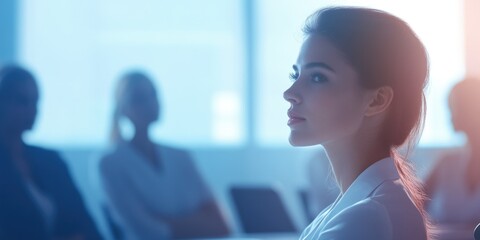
point(261, 210)
point(303, 195)
point(476, 232)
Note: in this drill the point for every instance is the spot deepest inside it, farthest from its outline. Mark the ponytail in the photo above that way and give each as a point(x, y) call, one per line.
point(413, 187)
point(411, 183)
point(115, 132)
point(119, 100)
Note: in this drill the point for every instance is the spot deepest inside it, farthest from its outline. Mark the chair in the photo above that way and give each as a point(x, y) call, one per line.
point(261, 210)
point(303, 195)
point(476, 232)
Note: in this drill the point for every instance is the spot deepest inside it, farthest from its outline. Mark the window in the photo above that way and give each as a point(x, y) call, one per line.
point(192, 49)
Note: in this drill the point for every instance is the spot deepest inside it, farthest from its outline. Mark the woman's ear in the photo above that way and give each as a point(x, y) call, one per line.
point(382, 98)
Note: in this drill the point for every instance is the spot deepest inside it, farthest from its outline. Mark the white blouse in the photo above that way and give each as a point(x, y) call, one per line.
point(374, 207)
point(141, 194)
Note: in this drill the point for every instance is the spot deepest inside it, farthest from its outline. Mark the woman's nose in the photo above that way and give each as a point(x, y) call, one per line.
point(291, 96)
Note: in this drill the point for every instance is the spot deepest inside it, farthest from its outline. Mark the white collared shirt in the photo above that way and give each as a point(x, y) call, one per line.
point(374, 207)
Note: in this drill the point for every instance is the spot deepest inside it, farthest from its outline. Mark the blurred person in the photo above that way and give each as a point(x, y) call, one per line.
point(38, 198)
point(358, 91)
point(454, 183)
point(154, 190)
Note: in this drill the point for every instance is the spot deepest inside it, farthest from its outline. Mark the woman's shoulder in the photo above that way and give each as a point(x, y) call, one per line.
point(452, 154)
point(395, 202)
point(45, 157)
point(41, 151)
point(392, 195)
point(366, 219)
point(171, 149)
point(370, 207)
point(448, 162)
point(174, 152)
point(114, 155)
point(380, 218)
point(115, 150)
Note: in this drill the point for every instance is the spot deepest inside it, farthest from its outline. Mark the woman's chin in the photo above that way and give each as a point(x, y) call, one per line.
point(299, 142)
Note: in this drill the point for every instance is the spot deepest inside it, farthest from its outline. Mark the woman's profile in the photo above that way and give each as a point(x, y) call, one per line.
point(357, 90)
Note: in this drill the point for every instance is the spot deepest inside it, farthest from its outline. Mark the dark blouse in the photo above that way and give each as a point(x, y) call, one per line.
point(20, 217)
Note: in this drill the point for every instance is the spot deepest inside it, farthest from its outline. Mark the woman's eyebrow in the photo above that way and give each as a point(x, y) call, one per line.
point(319, 64)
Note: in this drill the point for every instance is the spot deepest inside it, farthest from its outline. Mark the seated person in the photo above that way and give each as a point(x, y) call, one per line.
point(155, 190)
point(454, 184)
point(38, 198)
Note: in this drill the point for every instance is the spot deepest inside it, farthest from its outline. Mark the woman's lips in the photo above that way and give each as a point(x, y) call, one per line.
point(293, 121)
point(294, 118)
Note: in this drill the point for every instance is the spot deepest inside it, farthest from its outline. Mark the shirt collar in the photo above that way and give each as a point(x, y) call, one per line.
point(372, 177)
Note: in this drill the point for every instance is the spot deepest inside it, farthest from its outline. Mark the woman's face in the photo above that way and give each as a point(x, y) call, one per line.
point(141, 105)
point(18, 109)
point(327, 101)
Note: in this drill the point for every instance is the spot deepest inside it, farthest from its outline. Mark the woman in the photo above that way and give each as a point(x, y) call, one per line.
point(155, 190)
point(38, 199)
point(454, 184)
point(358, 91)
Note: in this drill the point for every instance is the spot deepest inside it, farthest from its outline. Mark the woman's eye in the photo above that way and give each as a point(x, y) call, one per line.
point(293, 76)
point(319, 78)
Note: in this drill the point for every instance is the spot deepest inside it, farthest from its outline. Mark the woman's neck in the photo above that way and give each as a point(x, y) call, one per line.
point(474, 148)
point(11, 141)
point(142, 143)
point(350, 157)
point(141, 136)
point(14, 146)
